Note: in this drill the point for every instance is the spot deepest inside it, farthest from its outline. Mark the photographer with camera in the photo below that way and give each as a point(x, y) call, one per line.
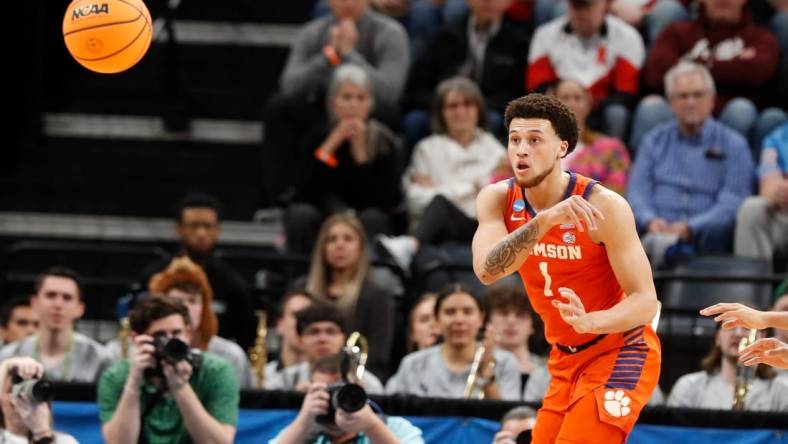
point(24, 397)
point(334, 411)
point(166, 391)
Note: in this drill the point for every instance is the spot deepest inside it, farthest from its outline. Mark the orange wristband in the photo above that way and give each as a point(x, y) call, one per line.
point(327, 158)
point(331, 54)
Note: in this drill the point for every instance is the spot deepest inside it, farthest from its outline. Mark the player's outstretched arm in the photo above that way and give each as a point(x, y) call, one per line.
point(734, 315)
point(629, 263)
point(496, 252)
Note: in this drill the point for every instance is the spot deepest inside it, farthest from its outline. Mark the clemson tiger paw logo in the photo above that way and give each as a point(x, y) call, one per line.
point(617, 403)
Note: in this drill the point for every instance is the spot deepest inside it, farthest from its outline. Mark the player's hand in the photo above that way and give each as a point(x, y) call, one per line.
point(573, 313)
point(734, 315)
point(770, 351)
point(574, 210)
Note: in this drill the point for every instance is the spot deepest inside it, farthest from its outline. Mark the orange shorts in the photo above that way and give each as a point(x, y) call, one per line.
point(596, 394)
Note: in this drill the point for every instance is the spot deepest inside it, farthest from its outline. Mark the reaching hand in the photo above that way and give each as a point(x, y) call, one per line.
point(734, 315)
point(573, 313)
point(574, 210)
point(770, 351)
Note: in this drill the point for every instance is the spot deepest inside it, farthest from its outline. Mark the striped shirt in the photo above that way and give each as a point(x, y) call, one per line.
point(700, 180)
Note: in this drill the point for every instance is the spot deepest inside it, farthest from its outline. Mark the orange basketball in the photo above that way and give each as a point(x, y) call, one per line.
point(107, 36)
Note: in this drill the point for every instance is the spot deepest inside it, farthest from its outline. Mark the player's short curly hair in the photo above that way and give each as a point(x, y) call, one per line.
point(540, 106)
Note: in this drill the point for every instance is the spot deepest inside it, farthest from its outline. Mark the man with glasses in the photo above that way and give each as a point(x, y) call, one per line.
point(17, 320)
point(690, 174)
point(321, 331)
point(198, 225)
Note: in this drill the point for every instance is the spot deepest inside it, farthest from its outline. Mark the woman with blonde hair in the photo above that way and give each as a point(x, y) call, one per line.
point(186, 281)
point(340, 274)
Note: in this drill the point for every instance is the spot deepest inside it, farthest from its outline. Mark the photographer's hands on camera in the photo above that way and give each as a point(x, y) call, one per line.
point(316, 404)
point(142, 356)
point(35, 416)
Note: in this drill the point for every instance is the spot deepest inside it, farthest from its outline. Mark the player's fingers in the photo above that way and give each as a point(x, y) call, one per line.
point(575, 218)
point(730, 325)
point(573, 298)
point(587, 213)
point(719, 308)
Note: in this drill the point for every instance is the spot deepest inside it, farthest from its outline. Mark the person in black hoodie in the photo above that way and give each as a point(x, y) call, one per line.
point(486, 47)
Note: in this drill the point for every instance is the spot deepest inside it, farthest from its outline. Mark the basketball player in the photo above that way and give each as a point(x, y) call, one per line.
point(577, 250)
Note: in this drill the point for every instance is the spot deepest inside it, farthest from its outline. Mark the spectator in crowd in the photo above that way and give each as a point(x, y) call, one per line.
point(678, 210)
point(515, 323)
point(65, 354)
point(600, 50)
point(713, 387)
point(290, 351)
point(352, 33)
point(447, 171)
point(483, 46)
point(198, 226)
point(17, 320)
point(147, 399)
point(516, 426)
point(762, 222)
point(740, 55)
point(422, 328)
point(442, 370)
point(341, 275)
point(23, 420)
point(322, 332)
point(365, 426)
point(186, 281)
point(352, 164)
point(604, 159)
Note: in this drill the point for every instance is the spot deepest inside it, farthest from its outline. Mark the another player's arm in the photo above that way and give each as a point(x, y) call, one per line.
point(630, 265)
point(496, 252)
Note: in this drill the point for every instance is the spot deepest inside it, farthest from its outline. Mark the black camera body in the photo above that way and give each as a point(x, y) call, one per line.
point(173, 351)
point(524, 437)
point(344, 396)
point(36, 390)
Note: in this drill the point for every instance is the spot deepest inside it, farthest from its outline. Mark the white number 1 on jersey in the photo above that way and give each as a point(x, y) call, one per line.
point(547, 279)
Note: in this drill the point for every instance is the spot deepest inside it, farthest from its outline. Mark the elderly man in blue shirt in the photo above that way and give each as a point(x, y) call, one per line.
point(691, 174)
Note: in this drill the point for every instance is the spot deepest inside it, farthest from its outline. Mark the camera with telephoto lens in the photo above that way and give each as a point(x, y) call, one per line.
point(173, 351)
point(35, 390)
point(344, 396)
point(523, 437)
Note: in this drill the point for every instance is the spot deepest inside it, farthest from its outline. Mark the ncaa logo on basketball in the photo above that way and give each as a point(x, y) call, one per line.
point(569, 237)
point(518, 205)
point(89, 10)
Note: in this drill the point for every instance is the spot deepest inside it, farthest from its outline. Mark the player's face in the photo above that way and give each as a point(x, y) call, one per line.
point(57, 303)
point(460, 113)
point(691, 99)
point(512, 328)
point(534, 150)
point(576, 98)
point(343, 247)
point(459, 319)
point(423, 327)
point(352, 102)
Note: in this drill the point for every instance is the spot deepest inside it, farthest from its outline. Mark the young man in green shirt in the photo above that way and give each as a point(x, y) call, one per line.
point(182, 406)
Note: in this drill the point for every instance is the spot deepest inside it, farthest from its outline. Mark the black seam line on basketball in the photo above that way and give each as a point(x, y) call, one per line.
point(118, 51)
point(138, 10)
point(103, 25)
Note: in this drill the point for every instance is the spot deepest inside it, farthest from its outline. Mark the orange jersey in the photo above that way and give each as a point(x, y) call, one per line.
point(563, 257)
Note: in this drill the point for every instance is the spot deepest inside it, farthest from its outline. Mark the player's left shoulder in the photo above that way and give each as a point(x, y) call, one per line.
point(605, 199)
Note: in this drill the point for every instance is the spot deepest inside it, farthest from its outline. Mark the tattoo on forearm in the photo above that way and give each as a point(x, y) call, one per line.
point(505, 253)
